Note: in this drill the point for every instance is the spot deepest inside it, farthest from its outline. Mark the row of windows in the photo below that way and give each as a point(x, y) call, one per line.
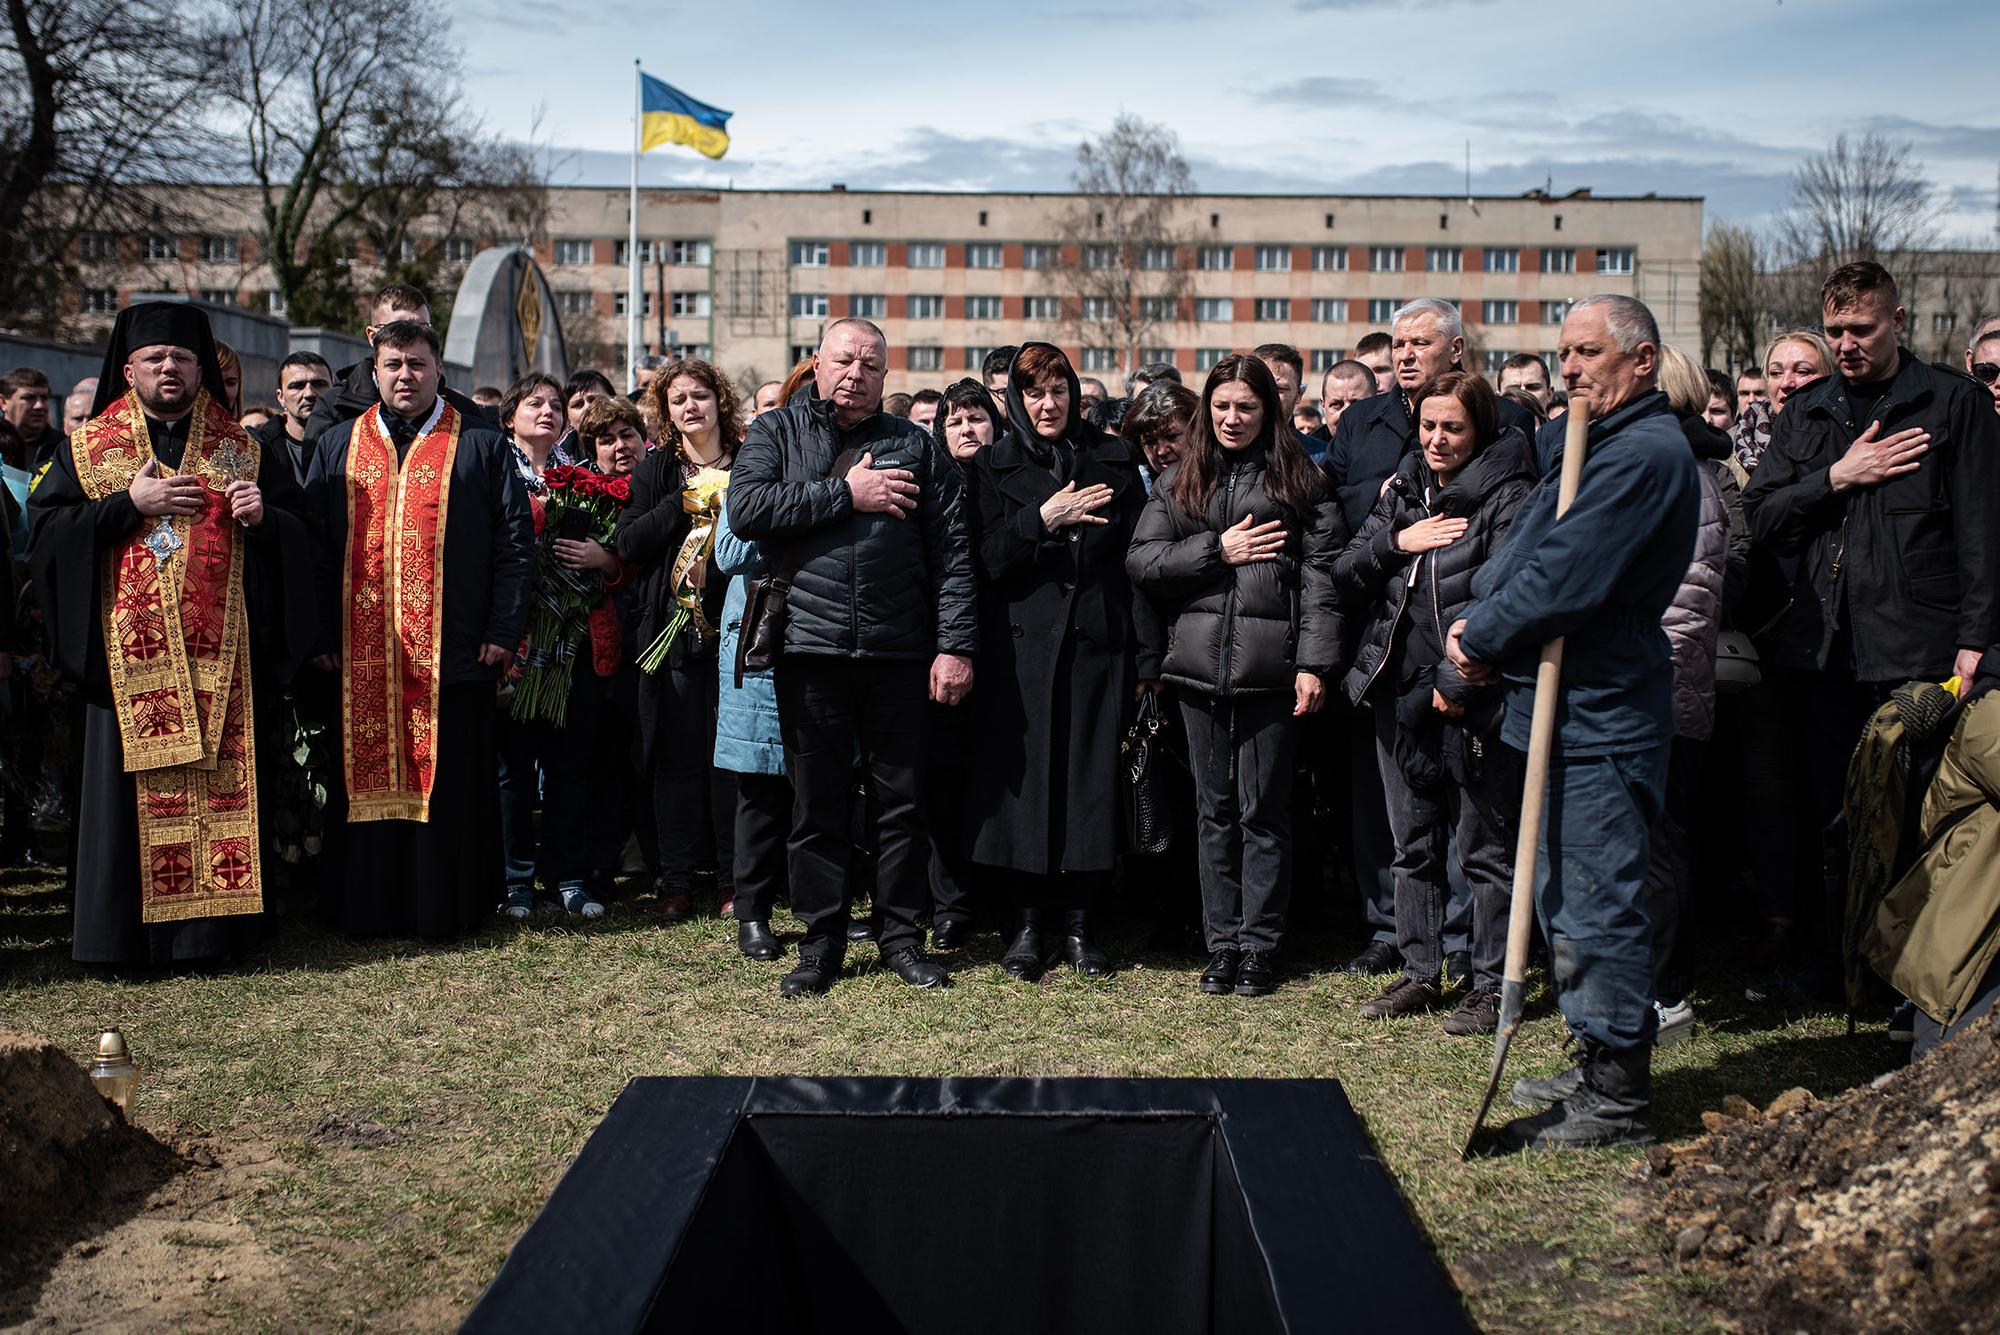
point(1099, 360)
point(1207, 310)
point(694, 304)
point(102, 247)
point(1265, 259)
point(577, 250)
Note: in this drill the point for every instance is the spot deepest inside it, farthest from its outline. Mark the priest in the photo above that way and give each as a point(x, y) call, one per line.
point(426, 558)
point(173, 563)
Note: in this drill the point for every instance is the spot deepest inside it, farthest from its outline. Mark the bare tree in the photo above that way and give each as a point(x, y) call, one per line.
point(1126, 256)
point(83, 86)
point(1732, 297)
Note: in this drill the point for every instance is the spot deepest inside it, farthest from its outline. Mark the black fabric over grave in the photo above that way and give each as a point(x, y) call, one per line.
point(968, 1205)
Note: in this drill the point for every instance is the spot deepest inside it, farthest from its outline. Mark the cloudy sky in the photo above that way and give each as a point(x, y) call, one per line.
point(1718, 98)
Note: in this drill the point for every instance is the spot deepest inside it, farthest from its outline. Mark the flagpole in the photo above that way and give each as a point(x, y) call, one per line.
point(632, 298)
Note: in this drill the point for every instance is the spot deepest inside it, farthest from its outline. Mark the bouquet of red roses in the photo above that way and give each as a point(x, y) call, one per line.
point(581, 503)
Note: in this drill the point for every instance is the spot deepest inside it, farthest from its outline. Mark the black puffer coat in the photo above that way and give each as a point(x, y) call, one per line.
point(866, 585)
point(1249, 629)
point(1414, 599)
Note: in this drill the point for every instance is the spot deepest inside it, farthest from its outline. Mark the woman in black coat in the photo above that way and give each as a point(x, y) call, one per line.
point(1235, 548)
point(1440, 518)
point(1053, 502)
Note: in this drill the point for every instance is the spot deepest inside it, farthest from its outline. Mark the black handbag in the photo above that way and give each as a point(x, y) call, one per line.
point(1144, 758)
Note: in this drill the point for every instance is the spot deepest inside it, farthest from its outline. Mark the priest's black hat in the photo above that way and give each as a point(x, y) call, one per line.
point(150, 322)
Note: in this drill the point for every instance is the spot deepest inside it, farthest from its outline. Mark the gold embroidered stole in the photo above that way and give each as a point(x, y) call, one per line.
point(393, 582)
point(179, 659)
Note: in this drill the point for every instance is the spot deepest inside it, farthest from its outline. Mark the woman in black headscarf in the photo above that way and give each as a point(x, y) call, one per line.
point(1054, 502)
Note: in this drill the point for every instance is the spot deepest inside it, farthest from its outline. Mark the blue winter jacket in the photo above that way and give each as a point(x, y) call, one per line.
point(1602, 577)
point(746, 717)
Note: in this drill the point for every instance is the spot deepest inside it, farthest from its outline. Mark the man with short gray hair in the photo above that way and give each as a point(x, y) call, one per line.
point(1602, 578)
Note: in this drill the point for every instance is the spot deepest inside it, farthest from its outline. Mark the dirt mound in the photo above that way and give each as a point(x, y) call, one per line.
point(1877, 1210)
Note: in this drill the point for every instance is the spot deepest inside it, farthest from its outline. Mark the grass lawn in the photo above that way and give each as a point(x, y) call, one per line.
point(416, 1105)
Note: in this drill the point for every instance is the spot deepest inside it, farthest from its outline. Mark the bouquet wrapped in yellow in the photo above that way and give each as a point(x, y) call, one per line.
point(702, 498)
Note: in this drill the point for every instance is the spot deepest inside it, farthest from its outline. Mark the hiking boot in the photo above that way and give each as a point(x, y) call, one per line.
point(1676, 1022)
point(1612, 1105)
point(1540, 1091)
point(1405, 996)
point(1219, 978)
point(1478, 1013)
point(1380, 957)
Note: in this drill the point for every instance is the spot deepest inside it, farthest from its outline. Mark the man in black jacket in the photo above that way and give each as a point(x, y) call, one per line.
point(861, 512)
point(303, 379)
point(354, 389)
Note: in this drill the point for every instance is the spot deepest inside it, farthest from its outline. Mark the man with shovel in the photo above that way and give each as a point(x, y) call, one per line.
point(1600, 577)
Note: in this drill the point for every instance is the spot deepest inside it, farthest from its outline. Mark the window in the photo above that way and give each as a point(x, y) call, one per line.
point(1555, 312)
point(868, 306)
point(975, 357)
point(1385, 259)
point(1558, 259)
point(1274, 259)
point(926, 308)
point(1100, 257)
point(1215, 309)
point(1943, 323)
point(1156, 257)
point(803, 352)
point(1329, 310)
point(695, 253)
point(1148, 356)
point(219, 250)
point(690, 303)
point(699, 351)
point(982, 308)
point(96, 247)
point(983, 256)
point(1213, 258)
point(927, 359)
point(99, 301)
point(1493, 359)
point(153, 246)
point(1443, 259)
point(926, 255)
point(1382, 310)
point(1324, 358)
point(458, 250)
point(572, 250)
point(1206, 358)
point(1100, 359)
point(1099, 308)
point(573, 303)
point(1274, 308)
point(1038, 257)
point(810, 255)
point(1046, 309)
point(1330, 259)
point(648, 250)
point(408, 250)
point(1614, 261)
point(220, 296)
point(867, 254)
point(808, 305)
point(620, 306)
point(274, 304)
point(1156, 308)
point(1500, 312)
point(1502, 259)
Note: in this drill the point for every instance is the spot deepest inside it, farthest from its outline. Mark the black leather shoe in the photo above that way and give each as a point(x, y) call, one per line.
point(1457, 968)
point(1257, 976)
point(1025, 954)
point(1380, 957)
point(1219, 978)
point(950, 934)
point(756, 941)
point(910, 964)
point(813, 975)
point(860, 929)
point(1079, 951)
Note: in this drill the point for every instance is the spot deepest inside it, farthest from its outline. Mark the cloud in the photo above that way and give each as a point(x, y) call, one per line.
point(1324, 91)
point(1355, 6)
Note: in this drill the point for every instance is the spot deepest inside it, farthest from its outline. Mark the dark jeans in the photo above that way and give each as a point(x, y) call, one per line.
point(828, 709)
point(1370, 843)
point(951, 872)
point(540, 759)
point(1240, 750)
point(1477, 815)
point(691, 797)
point(1590, 891)
point(763, 815)
point(1670, 873)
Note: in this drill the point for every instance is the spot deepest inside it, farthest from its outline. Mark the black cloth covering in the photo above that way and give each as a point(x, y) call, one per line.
point(148, 324)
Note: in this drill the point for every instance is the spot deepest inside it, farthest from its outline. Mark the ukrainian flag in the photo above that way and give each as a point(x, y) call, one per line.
point(669, 116)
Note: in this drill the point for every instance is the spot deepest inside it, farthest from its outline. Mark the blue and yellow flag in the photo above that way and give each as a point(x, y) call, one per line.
point(669, 116)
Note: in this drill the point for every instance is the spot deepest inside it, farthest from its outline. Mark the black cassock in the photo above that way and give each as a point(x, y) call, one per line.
point(69, 536)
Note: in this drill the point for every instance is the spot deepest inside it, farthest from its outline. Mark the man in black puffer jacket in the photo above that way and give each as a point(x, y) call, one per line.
point(861, 513)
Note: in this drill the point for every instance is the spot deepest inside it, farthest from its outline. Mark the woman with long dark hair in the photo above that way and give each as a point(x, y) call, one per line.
point(1235, 548)
point(1439, 518)
point(700, 421)
point(1054, 502)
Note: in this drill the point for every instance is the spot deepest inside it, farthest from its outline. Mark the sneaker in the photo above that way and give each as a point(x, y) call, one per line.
point(1405, 996)
point(1903, 1023)
point(520, 902)
point(1676, 1022)
point(1478, 1013)
point(577, 900)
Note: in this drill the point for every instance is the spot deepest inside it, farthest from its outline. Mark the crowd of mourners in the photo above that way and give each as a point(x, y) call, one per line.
point(990, 657)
